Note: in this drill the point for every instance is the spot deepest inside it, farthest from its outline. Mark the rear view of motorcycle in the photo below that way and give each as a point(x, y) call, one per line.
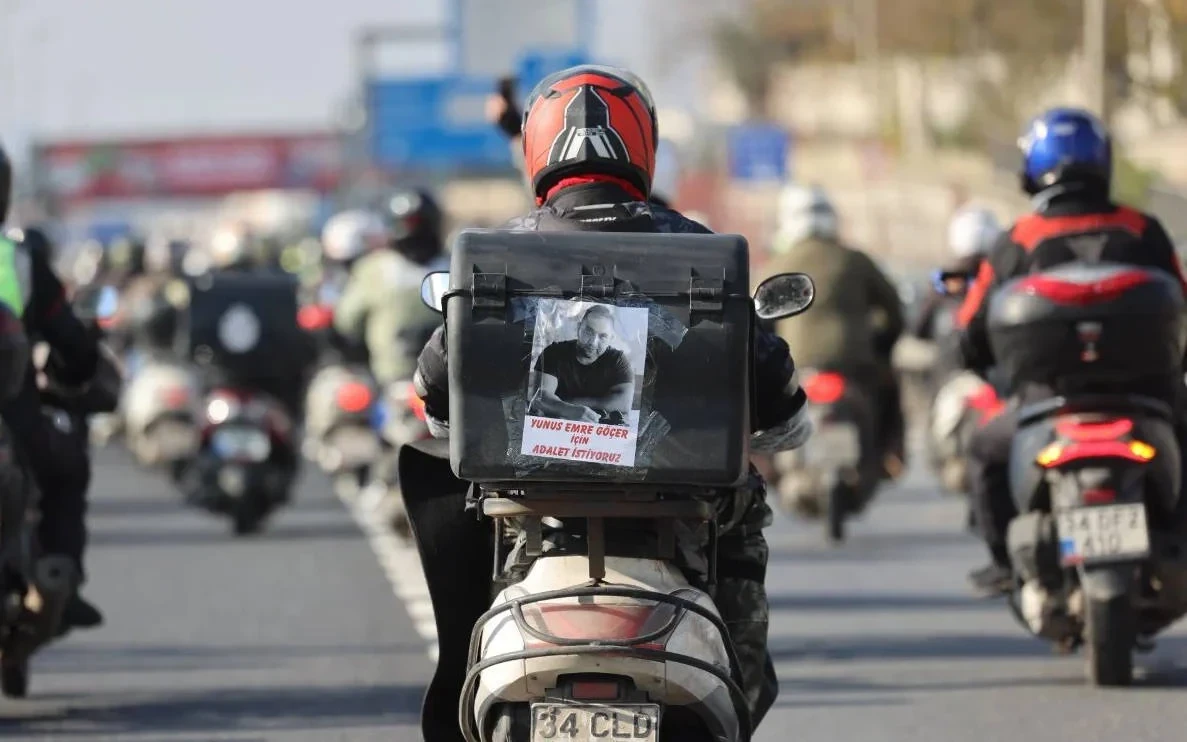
point(835, 473)
point(34, 588)
point(241, 331)
point(339, 430)
point(593, 481)
point(1095, 470)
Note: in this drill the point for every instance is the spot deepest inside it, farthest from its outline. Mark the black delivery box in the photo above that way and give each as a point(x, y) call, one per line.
point(244, 324)
point(592, 357)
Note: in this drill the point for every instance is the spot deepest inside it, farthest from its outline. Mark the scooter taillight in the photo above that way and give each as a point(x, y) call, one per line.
point(824, 388)
point(1059, 453)
point(354, 397)
point(174, 397)
point(986, 402)
point(1107, 430)
point(606, 623)
point(593, 690)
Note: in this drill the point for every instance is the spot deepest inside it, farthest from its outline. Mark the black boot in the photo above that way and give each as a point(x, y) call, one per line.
point(79, 614)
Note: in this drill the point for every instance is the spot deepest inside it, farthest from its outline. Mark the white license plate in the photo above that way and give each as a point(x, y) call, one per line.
point(356, 446)
point(834, 444)
point(1105, 533)
point(594, 723)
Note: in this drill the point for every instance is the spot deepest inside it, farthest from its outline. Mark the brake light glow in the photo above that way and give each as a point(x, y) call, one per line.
point(354, 396)
point(1058, 454)
point(591, 690)
point(1109, 430)
point(824, 388)
point(174, 396)
point(315, 317)
point(1080, 294)
point(1098, 496)
point(986, 401)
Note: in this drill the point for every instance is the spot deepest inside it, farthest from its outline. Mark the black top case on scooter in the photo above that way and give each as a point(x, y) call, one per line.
point(1090, 328)
point(245, 326)
point(681, 319)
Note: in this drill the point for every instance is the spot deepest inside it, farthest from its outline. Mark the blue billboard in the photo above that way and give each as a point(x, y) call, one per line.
point(535, 65)
point(758, 152)
point(439, 123)
point(435, 124)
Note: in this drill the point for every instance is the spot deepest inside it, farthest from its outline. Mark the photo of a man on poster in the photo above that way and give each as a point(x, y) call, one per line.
point(584, 386)
point(586, 378)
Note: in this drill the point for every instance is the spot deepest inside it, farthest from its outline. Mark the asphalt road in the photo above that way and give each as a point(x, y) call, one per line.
point(296, 635)
point(291, 635)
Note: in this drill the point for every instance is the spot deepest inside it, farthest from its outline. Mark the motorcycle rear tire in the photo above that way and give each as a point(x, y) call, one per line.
point(247, 516)
point(1111, 637)
point(14, 678)
point(513, 723)
point(837, 510)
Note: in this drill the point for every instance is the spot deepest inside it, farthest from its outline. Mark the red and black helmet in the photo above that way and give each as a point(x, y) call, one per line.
point(590, 120)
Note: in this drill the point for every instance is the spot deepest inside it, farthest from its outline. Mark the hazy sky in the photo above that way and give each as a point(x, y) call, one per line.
point(95, 66)
point(127, 67)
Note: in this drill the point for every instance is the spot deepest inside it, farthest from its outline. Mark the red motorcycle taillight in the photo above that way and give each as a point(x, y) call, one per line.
point(354, 397)
point(1108, 430)
point(825, 388)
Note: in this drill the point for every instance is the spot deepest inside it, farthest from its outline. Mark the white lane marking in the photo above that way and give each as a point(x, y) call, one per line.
point(400, 563)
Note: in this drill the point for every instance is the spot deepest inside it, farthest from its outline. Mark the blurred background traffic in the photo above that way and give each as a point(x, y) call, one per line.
point(171, 120)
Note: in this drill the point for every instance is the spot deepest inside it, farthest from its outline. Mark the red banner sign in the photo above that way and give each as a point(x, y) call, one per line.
point(206, 166)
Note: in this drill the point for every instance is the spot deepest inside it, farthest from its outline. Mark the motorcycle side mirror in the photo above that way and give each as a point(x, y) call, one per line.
point(433, 289)
point(784, 295)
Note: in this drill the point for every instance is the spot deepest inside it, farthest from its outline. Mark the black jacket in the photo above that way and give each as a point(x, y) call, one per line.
point(601, 207)
point(1070, 227)
point(49, 316)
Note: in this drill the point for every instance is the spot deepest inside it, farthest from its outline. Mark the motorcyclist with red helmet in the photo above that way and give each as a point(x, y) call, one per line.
point(589, 138)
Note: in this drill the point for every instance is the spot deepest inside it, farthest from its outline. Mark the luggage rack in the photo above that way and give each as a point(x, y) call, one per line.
point(595, 509)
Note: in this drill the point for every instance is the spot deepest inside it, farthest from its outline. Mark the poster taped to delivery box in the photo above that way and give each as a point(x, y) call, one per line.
point(585, 382)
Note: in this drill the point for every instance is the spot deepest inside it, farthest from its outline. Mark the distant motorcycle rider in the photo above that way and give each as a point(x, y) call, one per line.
point(57, 454)
point(604, 187)
point(857, 316)
point(1067, 163)
point(972, 233)
point(381, 303)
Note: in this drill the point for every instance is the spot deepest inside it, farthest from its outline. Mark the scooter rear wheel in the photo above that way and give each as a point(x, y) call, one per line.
point(1111, 640)
point(512, 724)
point(837, 509)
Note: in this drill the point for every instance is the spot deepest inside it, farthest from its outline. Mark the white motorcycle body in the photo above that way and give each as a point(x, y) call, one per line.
point(339, 440)
point(949, 412)
point(161, 409)
point(611, 619)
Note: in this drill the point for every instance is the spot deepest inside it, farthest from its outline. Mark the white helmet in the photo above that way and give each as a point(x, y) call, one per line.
point(804, 212)
point(349, 234)
point(972, 231)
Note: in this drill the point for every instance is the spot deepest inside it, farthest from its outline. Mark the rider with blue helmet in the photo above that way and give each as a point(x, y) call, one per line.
point(1067, 164)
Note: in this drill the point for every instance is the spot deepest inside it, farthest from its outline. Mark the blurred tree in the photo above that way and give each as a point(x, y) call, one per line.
point(1162, 30)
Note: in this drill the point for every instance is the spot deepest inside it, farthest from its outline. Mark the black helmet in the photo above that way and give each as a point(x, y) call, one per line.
point(5, 184)
point(416, 224)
